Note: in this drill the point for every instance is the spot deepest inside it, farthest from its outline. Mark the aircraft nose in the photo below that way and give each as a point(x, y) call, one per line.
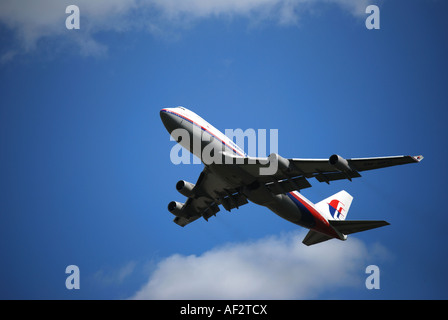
point(170, 121)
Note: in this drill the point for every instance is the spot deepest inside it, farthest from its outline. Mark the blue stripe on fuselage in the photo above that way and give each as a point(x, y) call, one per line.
point(307, 216)
point(204, 129)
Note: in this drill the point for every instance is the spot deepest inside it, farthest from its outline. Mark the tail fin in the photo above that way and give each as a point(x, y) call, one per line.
point(335, 207)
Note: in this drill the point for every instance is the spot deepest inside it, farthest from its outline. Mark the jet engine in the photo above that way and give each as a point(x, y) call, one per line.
point(185, 188)
point(283, 164)
point(175, 208)
point(339, 163)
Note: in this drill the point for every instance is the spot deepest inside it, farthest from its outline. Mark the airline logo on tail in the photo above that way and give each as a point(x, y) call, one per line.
point(336, 207)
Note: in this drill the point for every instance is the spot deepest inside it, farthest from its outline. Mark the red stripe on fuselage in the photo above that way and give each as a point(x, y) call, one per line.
point(322, 224)
point(205, 129)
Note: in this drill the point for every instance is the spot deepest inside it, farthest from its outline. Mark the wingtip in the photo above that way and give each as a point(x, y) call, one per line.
point(418, 158)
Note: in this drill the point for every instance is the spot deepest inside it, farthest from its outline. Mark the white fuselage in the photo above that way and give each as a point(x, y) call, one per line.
point(202, 136)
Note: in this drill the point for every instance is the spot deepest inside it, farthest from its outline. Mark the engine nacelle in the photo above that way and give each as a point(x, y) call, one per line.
point(339, 163)
point(185, 188)
point(283, 164)
point(175, 208)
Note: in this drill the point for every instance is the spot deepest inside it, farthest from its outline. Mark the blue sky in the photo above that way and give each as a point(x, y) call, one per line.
point(85, 170)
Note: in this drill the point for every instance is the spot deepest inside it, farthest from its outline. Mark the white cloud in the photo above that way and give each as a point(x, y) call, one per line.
point(281, 11)
point(277, 267)
point(33, 20)
point(110, 277)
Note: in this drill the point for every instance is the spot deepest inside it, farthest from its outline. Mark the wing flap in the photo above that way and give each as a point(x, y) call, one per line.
point(327, 177)
point(232, 201)
point(288, 185)
point(181, 221)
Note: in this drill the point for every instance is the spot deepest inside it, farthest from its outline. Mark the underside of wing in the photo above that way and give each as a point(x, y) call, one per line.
point(204, 198)
point(224, 184)
point(362, 164)
point(276, 168)
point(337, 168)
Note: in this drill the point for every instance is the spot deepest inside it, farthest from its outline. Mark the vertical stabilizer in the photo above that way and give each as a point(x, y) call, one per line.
point(335, 207)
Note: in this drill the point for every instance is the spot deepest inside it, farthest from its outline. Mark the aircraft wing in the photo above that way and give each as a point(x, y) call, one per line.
point(355, 164)
point(337, 168)
point(324, 170)
point(209, 192)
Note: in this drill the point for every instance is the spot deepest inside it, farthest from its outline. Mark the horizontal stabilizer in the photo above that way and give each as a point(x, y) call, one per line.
point(314, 237)
point(345, 227)
point(353, 226)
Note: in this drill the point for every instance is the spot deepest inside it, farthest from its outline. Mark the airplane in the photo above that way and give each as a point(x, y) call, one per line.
point(238, 178)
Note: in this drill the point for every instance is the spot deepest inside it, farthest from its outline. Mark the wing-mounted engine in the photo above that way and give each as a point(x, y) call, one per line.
point(282, 163)
point(205, 197)
point(180, 210)
point(176, 208)
point(340, 164)
point(196, 206)
point(185, 188)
